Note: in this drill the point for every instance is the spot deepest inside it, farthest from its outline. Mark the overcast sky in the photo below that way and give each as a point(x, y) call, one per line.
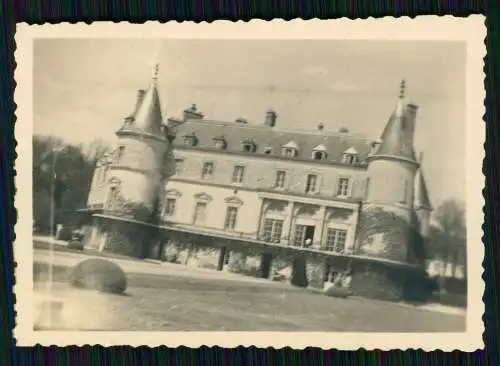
point(84, 88)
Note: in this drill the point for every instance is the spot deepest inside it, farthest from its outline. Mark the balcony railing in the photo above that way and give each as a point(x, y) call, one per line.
point(284, 241)
point(313, 245)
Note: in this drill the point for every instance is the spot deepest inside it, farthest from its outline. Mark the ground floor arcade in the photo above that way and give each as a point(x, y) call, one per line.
point(301, 266)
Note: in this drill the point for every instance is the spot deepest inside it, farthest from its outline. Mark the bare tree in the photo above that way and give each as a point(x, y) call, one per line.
point(450, 237)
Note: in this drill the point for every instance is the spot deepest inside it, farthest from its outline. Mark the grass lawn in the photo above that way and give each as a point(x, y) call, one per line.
point(38, 244)
point(176, 303)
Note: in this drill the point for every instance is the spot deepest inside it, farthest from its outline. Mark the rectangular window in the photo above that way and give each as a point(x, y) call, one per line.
point(178, 166)
point(119, 153)
point(343, 188)
point(231, 215)
point(207, 171)
point(272, 230)
point(170, 207)
point(238, 173)
point(300, 235)
point(199, 213)
point(280, 179)
point(335, 240)
point(404, 198)
point(248, 147)
point(350, 159)
point(367, 188)
point(311, 183)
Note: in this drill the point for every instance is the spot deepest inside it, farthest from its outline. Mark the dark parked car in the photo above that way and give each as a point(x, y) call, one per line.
point(76, 241)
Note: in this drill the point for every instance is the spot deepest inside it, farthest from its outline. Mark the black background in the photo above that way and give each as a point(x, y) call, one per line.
point(137, 11)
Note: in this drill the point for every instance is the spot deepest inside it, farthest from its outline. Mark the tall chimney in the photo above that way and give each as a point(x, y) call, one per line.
point(410, 120)
point(192, 113)
point(270, 118)
point(140, 97)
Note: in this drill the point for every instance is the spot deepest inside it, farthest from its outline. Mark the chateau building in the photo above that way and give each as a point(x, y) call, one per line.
point(260, 197)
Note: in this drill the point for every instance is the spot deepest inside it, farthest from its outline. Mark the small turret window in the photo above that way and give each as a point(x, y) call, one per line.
point(119, 153)
point(178, 165)
point(404, 198)
point(169, 208)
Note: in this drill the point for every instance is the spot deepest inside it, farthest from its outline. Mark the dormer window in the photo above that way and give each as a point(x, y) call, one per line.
point(350, 156)
point(268, 150)
point(289, 153)
point(319, 152)
point(220, 142)
point(190, 139)
point(290, 150)
point(248, 145)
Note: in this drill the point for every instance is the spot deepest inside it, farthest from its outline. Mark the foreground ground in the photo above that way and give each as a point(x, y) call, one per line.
point(176, 298)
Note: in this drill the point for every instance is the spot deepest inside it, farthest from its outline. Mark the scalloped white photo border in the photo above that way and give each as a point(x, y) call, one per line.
point(470, 30)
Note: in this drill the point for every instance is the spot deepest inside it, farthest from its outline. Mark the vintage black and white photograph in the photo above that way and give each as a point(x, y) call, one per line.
point(279, 184)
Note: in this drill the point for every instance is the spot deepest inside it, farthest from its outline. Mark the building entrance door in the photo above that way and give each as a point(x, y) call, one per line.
point(309, 237)
point(303, 234)
point(265, 265)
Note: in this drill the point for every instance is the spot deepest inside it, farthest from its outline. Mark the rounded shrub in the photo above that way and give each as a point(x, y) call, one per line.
point(99, 274)
point(337, 291)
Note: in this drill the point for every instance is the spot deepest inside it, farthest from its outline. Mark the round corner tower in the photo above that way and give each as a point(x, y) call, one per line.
point(136, 178)
point(387, 218)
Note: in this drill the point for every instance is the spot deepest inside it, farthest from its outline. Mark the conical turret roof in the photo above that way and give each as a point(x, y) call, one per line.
point(421, 200)
point(396, 139)
point(147, 116)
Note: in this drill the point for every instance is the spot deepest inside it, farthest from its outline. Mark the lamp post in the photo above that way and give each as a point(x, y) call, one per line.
point(50, 278)
point(53, 177)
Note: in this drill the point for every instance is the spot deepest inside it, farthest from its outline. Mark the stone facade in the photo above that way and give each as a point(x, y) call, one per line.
point(261, 201)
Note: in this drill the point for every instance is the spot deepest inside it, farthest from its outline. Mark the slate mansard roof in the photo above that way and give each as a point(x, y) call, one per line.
point(270, 140)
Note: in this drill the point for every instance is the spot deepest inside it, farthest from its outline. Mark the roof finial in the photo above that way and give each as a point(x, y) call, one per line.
point(156, 69)
point(402, 89)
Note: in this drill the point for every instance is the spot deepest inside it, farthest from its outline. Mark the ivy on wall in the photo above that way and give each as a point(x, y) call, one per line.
point(383, 234)
point(118, 206)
